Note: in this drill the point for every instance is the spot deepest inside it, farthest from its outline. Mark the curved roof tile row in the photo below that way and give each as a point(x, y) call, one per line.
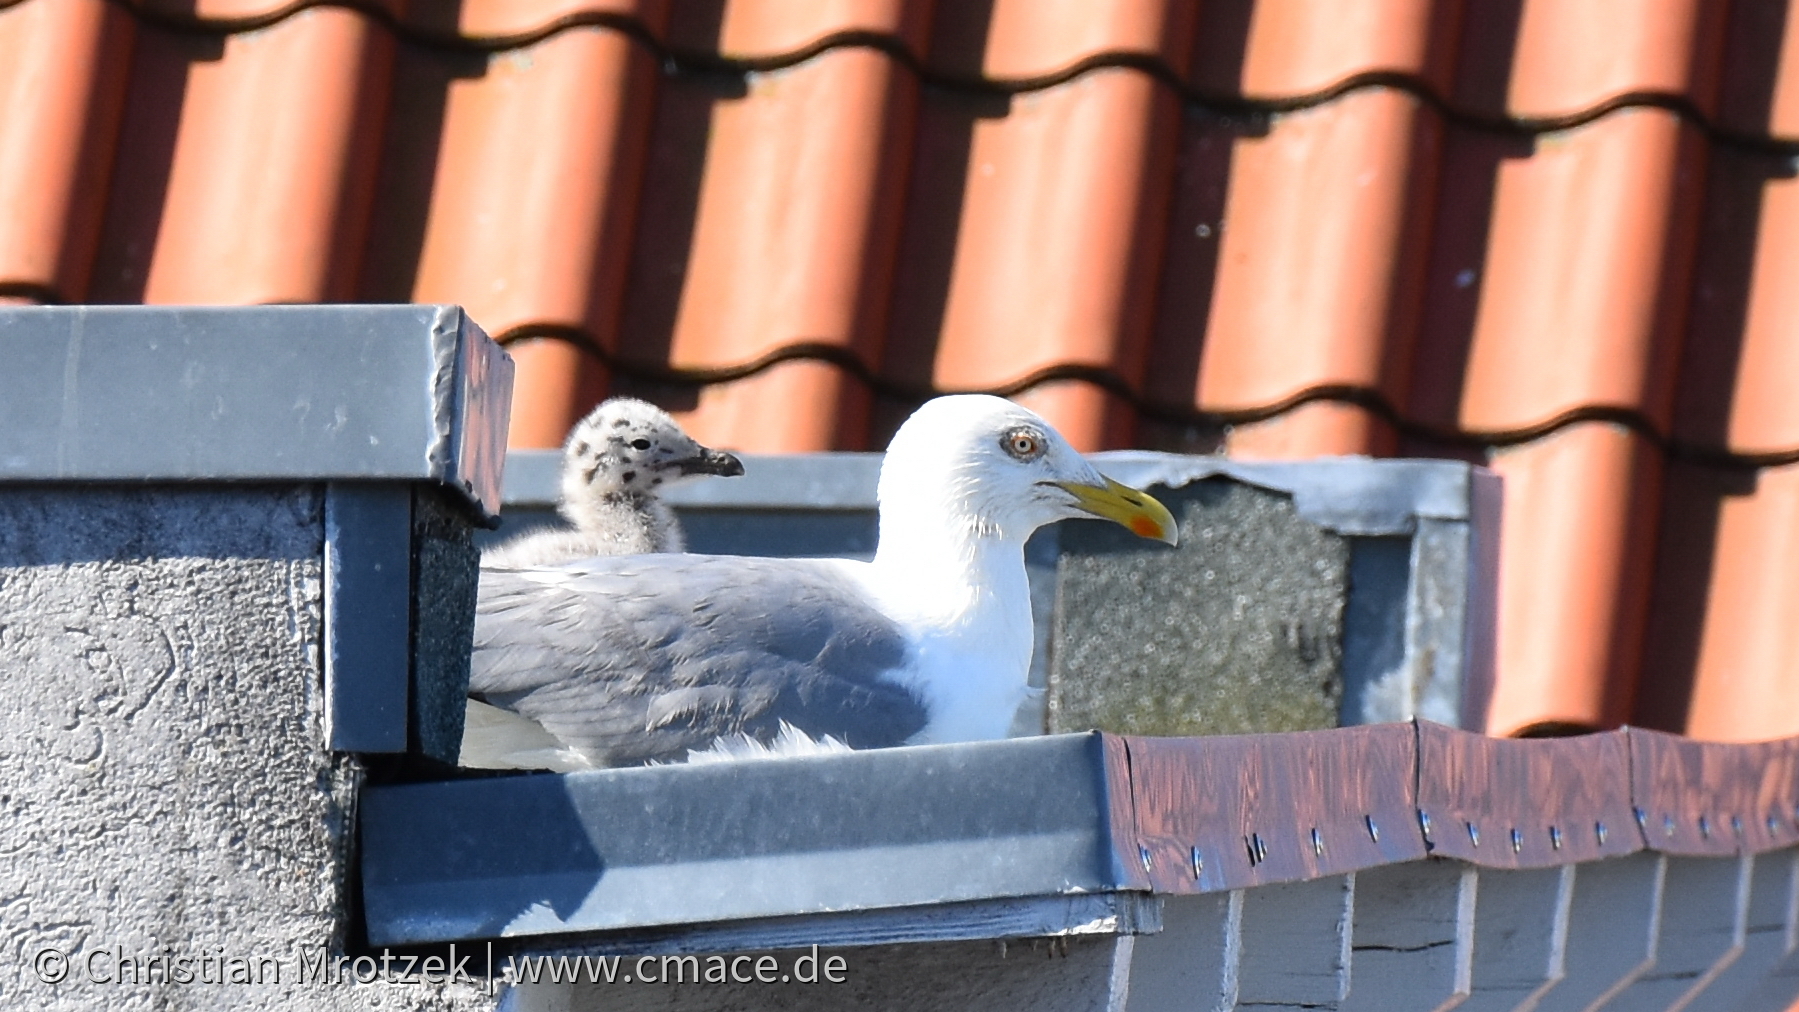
point(1549, 236)
point(1512, 68)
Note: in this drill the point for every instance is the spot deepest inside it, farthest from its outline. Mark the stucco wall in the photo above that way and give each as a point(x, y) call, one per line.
point(163, 782)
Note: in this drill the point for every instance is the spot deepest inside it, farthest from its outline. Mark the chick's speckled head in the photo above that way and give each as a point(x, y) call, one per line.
point(630, 446)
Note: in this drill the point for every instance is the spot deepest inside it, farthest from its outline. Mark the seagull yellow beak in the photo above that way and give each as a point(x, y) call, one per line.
point(1122, 504)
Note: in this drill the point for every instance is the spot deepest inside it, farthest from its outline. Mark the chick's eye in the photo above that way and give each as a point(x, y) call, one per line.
point(640, 444)
point(1023, 444)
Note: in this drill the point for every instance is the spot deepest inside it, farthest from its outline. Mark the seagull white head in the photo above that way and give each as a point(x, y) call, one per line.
point(997, 469)
point(627, 446)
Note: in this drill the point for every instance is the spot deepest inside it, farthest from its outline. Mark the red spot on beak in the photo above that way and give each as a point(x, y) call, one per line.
point(1144, 527)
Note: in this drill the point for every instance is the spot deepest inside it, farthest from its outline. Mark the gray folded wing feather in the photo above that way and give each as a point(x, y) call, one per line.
point(639, 658)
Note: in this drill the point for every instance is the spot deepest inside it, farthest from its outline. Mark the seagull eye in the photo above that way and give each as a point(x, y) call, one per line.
point(640, 444)
point(1024, 444)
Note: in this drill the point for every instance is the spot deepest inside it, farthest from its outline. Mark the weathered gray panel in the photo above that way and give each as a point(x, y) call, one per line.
point(1437, 651)
point(1349, 495)
point(1764, 936)
point(1413, 942)
point(368, 615)
point(1480, 642)
point(1377, 684)
point(140, 393)
point(1107, 913)
point(1239, 630)
point(1520, 936)
point(1188, 966)
point(1613, 920)
point(401, 571)
point(1703, 903)
point(1294, 944)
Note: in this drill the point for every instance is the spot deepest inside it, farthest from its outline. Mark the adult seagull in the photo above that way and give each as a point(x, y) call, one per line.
point(624, 660)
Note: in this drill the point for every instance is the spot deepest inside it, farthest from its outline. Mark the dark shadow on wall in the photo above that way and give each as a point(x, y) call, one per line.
point(1695, 490)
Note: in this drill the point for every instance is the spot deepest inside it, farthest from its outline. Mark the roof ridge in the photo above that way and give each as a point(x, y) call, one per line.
point(679, 60)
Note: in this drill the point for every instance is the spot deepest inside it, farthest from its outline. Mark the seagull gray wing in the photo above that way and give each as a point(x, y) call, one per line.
point(638, 658)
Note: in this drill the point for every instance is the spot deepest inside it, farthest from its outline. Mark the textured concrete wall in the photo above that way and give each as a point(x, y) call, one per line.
point(1238, 630)
point(163, 783)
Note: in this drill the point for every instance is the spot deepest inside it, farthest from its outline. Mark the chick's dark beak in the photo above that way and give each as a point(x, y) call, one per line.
point(717, 462)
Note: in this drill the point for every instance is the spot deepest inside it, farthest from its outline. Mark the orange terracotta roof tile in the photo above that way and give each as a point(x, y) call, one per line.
point(232, 11)
point(775, 27)
point(1079, 283)
point(1746, 673)
point(932, 212)
point(1320, 253)
point(62, 85)
point(1546, 58)
point(511, 18)
point(1276, 50)
point(264, 153)
point(1576, 296)
point(533, 200)
point(1102, 142)
point(1035, 38)
point(1317, 429)
point(793, 241)
point(250, 158)
point(1758, 90)
point(1576, 547)
point(1743, 351)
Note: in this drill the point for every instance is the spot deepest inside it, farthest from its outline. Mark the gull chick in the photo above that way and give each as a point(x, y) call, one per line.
point(619, 661)
point(615, 466)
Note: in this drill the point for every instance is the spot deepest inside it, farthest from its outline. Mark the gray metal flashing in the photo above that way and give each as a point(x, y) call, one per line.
point(400, 577)
point(635, 848)
point(1357, 496)
point(159, 393)
point(1061, 915)
point(368, 602)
